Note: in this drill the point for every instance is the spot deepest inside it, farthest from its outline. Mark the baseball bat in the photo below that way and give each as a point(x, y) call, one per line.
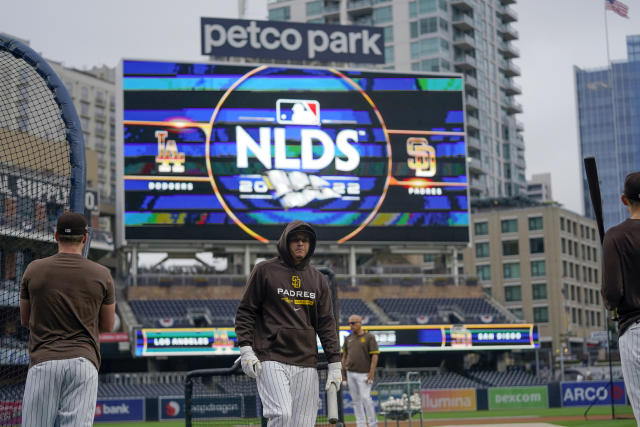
point(87, 245)
point(332, 404)
point(591, 171)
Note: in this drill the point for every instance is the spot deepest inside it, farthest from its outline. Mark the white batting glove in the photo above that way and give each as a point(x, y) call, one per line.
point(249, 362)
point(334, 375)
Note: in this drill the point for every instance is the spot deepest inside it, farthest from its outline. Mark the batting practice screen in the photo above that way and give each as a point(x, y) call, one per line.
point(227, 152)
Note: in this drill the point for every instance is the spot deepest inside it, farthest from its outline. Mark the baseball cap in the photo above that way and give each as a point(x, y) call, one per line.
point(71, 224)
point(632, 186)
point(299, 230)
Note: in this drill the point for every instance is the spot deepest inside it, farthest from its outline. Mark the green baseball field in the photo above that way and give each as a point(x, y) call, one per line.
point(597, 416)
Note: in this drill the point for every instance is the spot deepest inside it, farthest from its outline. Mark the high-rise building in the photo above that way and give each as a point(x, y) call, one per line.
point(473, 37)
point(542, 262)
point(609, 124)
point(539, 187)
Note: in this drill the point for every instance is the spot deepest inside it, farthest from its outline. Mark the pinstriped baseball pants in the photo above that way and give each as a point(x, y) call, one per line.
point(61, 393)
point(629, 345)
point(289, 394)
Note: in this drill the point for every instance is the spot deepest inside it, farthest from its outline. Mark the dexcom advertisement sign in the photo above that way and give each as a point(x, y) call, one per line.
point(518, 397)
point(286, 40)
point(592, 393)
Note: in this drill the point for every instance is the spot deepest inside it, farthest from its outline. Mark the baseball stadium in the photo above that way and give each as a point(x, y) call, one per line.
point(213, 159)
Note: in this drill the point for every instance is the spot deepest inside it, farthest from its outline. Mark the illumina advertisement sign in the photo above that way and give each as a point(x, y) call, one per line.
point(396, 338)
point(232, 153)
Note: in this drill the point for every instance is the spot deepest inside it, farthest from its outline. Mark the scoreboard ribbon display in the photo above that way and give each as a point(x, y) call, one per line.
point(223, 341)
point(232, 153)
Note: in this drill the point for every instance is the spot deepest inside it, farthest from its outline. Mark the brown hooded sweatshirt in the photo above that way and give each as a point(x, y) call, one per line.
point(285, 305)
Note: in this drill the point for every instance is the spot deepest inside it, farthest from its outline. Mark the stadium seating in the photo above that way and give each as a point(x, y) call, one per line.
point(349, 306)
point(182, 313)
point(506, 379)
point(440, 310)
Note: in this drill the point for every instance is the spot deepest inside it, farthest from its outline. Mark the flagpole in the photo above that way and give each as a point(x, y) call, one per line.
point(615, 143)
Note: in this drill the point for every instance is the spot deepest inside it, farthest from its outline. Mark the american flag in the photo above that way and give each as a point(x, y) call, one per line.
point(618, 7)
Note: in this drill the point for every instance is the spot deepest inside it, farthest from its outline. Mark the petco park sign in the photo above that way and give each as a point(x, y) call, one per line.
point(287, 40)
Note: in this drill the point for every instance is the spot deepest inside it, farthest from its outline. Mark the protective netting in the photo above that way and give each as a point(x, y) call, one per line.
point(35, 187)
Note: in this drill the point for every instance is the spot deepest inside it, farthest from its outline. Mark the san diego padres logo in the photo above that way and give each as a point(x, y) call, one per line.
point(296, 282)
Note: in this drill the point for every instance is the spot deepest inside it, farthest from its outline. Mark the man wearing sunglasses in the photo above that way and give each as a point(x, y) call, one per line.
point(285, 304)
point(359, 359)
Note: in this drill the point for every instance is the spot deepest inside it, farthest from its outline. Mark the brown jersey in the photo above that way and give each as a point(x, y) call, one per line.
point(65, 292)
point(621, 271)
point(283, 308)
point(359, 349)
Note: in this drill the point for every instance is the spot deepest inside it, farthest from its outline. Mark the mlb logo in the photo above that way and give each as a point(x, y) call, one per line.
point(298, 112)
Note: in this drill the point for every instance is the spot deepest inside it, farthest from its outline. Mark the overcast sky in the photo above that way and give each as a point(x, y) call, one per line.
point(555, 35)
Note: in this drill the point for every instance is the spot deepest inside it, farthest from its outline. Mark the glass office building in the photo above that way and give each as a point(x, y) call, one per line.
point(608, 102)
point(472, 37)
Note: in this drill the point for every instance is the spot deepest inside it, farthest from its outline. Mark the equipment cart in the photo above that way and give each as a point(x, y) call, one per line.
point(401, 400)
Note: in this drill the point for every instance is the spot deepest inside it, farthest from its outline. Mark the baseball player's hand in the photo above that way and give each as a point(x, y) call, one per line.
point(334, 376)
point(250, 363)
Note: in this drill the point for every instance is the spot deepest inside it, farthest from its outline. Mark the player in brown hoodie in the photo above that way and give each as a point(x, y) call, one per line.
point(285, 304)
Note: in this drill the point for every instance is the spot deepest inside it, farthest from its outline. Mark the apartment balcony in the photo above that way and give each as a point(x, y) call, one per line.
point(471, 102)
point(464, 41)
point(475, 165)
point(510, 87)
point(476, 185)
point(101, 147)
point(473, 123)
point(463, 5)
point(508, 32)
point(507, 2)
point(359, 6)
point(470, 82)
point(473, 142)
point(365, 21)
point(100, 117)
point(508, 50)
point(464, 62)
point(506, 14)
point(509, 68)
point(511, 107)
point(462, 22)
point(100, 101)
point(332, 10)
point(519, 126)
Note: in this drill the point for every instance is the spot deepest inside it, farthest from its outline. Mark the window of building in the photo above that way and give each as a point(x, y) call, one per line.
point(593, 237)
point(591, 296)
point(598, 318)
point(561, 223)
point(578, 294)
point(573, 293)
point(388, 34)
point(510, 247)
point(577, 272)
point(588, 253)
point(539, 291)
point(509, 225)
point(592, 318)
point(570, 269)
point(428, 25)
point(536, 245)
point(538, 268)
point(280, 14)
point(564, 268)
point(595, 255)
point(382, 15)
point(482, 250)
point(540, 314)
point(426, 6)
point(430, 65)
point(483, 272)
point(444, 27)
point(413, 26)
point(581, 231)
point(512, 293)
point(565, 290)
point(517, 311)
point(575, 228)
point(535, 223)
point(575, 250)
point(389, 55)
point(413, 9)
point(574, 318)
point(597, 298)
point(511, 270)
point(481, 228)
point(316, 20)
point(487, 291)
point(563, 244)
point(579, 316)
point(443, 5)
point(570, 247)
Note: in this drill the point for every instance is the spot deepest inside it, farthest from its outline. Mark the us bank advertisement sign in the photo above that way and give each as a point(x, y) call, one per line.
point(286, 40)
point(232, 153)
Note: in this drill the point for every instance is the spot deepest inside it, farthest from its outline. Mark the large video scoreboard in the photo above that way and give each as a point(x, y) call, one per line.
point(232, 153)
point(414, 338)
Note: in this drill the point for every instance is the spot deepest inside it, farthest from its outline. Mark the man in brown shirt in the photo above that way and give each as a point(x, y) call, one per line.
point(65, 301)
point(360, 358)
point(621, 286)
point(285, 304)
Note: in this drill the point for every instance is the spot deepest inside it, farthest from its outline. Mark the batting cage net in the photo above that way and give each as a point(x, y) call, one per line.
point(41, 175)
